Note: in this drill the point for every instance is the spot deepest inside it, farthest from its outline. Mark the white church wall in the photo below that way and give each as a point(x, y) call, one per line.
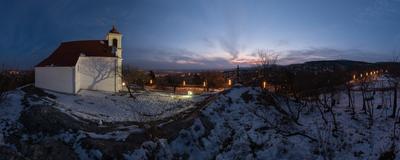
point(77, 80)
point(60, 79)
point(97, 73)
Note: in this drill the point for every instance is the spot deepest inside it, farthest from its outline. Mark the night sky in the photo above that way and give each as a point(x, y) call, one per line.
point(190, 34)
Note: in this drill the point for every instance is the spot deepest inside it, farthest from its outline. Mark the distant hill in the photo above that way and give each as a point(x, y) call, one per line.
point(342, 64)
point(334, 62)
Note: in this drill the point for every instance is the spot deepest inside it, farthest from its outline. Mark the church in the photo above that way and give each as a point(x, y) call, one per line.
point(84, 64)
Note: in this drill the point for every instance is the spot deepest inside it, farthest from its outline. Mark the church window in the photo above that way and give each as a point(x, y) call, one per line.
point(115, 43)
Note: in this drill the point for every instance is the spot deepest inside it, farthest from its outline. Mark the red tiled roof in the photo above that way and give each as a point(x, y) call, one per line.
point(67, 53)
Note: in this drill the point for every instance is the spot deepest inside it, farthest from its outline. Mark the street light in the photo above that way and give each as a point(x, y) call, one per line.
point(184, 83)
point(229, 82)
point(264, 84)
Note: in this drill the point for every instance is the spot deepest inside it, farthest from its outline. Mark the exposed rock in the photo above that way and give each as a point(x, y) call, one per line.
point(48, 149)
point(7, 153)
point(112, 149)
point(48, 120)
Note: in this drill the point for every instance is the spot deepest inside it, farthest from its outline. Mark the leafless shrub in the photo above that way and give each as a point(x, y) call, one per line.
point(394, 79)
point(3, 92)
point(5, 83)
point(284, 115)
point(350, 98)
point(328, 102)
point(325, 141)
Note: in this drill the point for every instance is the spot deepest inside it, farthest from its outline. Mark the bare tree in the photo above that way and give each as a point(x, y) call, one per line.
point(328, 102)
point(364, 86)
point(134, 76)
point(383, 96)
point(350, 97)
point(393, 77)
point(368, 94)
point(266, 59)
point(7, 83)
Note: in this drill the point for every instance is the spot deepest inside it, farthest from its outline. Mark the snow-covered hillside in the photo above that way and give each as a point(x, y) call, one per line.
point(239, 123)
point(244, 124)
point(45, 125)
point(9, 113)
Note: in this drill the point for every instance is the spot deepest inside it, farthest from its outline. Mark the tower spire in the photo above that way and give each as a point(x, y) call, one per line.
point(114, 30)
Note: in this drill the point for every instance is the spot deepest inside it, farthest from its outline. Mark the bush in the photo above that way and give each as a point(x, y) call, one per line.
point(4, 87)
point(9, 80)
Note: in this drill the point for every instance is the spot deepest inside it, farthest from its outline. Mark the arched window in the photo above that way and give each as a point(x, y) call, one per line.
point(115, 43)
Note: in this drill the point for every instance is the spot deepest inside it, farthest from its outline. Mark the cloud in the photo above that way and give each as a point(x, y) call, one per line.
point(173, 58)
point(230, 45)
point(233, 18)
point(245, 61)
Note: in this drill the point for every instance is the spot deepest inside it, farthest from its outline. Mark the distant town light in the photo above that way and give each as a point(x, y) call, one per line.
point(151, 81)
point(361, 75)
point(190, 93)
point(354, 77)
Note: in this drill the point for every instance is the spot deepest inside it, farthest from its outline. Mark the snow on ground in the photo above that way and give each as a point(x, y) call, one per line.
point(109, 107)
point(238, 133)
point(10, 111)
point(249, 130)
point(238, 124)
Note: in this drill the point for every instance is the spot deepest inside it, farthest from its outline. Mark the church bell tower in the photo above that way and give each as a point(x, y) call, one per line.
point(114, 39)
